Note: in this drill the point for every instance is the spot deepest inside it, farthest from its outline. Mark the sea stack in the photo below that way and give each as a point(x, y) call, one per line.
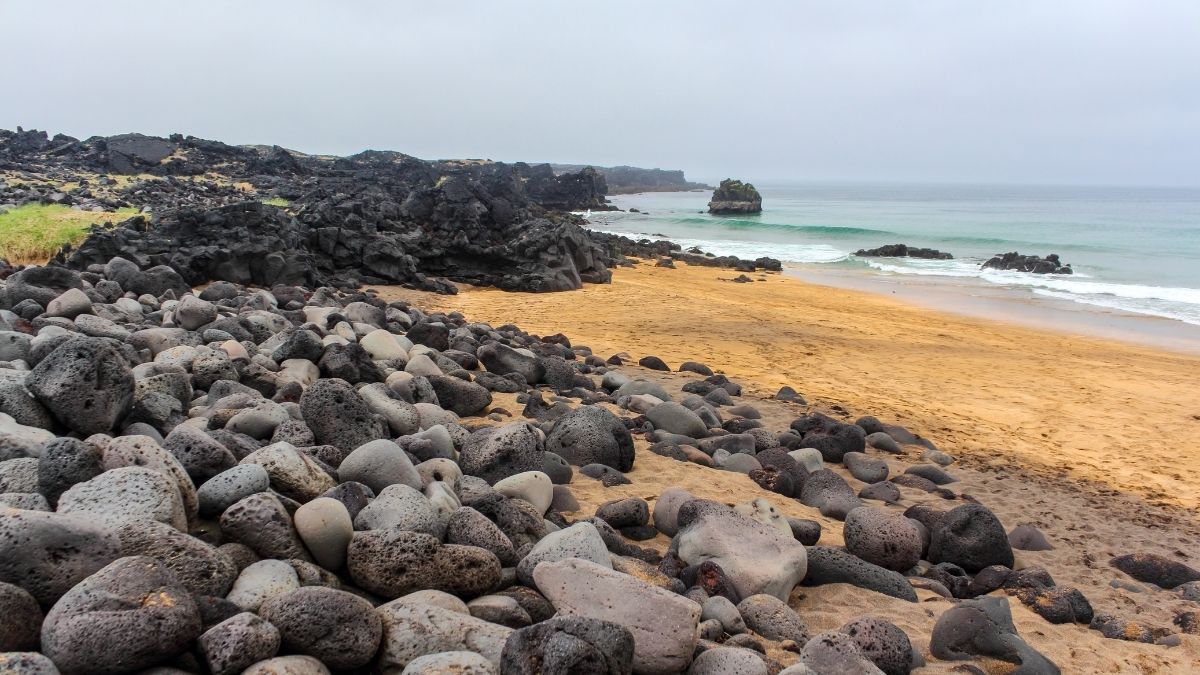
point(734, 196)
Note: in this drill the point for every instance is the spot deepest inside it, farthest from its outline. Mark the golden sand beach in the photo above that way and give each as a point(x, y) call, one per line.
point(1087, 439)
point(1112, 414)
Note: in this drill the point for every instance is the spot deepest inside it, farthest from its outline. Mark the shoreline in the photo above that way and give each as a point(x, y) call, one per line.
point(1081, 408)
point(997, 303)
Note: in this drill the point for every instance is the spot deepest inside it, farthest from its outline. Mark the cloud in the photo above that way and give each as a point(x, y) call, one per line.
point(1064, 92)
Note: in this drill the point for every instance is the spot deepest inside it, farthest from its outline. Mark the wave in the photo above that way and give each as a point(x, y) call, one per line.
point(1181, 304)
point(1149, 308)
point(789, 253)
point(746, 223)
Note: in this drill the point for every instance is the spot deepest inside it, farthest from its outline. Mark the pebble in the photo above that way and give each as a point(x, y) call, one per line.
point(197, 565)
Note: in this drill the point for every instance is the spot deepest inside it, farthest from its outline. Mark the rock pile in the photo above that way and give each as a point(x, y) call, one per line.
point(239, 480)
point(1027, 263)
point(903, 251)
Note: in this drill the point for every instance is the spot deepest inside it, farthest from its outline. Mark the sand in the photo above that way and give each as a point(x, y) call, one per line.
point(1087, 439)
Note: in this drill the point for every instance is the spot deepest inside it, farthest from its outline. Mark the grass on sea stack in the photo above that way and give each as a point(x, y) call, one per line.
point(33, 233)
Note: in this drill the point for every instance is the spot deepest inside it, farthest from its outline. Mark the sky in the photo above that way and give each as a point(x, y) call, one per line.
point(1062, 92)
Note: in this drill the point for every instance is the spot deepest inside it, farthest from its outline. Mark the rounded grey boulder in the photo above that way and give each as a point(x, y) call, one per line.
point(393, 562)
point(337, 415)
point(834, 652)
point(48, 553)
point(471, 528)
point(883, 642)
point(261, 522)
point(728, 661)
point(237, 643)
point(865, 468)
point(85, 383)
point(21, 620)
point(378, 464)
point(675, 418)
point(830, 493)
point(882, 538)
point(126, 494)
point(567, 645)
point(231, 486)
point(130, 615)
point(201, 455)
point(463, 397)
point(339, 628)
point(64, 463)
point(771, 618)
point(200, 567)
point(591, 434)
point(972, 537)
point(495, 453)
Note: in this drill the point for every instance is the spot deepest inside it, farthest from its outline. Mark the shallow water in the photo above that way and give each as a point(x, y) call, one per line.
point(1134, 250)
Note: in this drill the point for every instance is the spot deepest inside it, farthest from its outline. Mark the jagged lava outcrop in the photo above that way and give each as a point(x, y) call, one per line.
point(371, 218)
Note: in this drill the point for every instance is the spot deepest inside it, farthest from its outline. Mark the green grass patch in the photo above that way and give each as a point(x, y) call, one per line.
point(33, 234)
point(277, 201)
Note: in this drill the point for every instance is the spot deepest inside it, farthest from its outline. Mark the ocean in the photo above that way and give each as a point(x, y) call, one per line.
point(1135, 251)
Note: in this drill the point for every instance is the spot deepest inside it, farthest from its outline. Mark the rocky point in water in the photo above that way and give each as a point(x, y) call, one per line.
point(903, 251)
point(734, 196)
point(1028, 263)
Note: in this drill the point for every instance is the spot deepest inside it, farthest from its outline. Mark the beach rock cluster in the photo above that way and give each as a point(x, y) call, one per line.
point(290, 480)
point(667, 252)
point(1014, 261)
point(903, 251)
point(733, 197)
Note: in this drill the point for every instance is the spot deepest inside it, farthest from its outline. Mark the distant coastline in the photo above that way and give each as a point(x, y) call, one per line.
point(624, 180)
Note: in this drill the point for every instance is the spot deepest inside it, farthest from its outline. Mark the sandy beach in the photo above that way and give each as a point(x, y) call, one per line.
point(1084, 438)
point(1113, 416)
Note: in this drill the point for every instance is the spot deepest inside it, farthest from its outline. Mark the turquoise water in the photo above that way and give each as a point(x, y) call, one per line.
point(1133, 249)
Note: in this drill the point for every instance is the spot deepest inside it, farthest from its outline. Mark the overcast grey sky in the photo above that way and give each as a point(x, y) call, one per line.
point(1040, 92)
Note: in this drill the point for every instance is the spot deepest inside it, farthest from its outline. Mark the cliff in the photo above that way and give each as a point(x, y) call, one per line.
point(630, 179)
